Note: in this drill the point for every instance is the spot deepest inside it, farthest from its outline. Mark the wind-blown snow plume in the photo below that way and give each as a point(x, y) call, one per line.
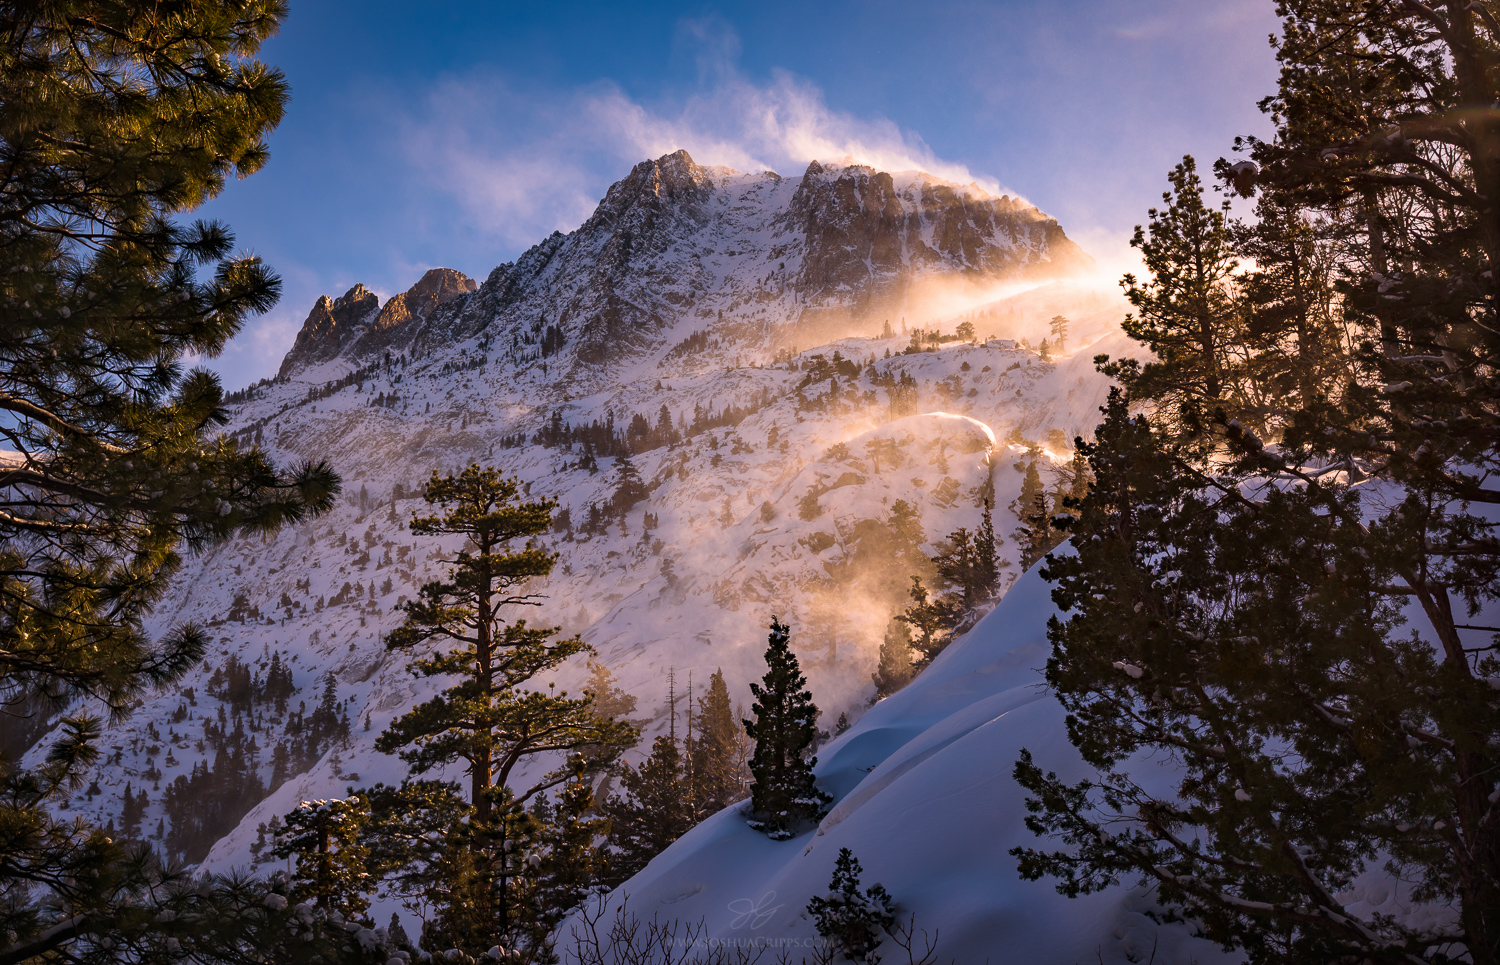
point(522, 164)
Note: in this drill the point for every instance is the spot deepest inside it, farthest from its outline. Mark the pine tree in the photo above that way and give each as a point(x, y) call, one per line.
point(1036, 535)
point(488, 721)
point(1184, 313)
point(968, 567)
point(609, 701)
point(783, 795)
point(933, 620)
point(568, 860)
point(1255, 639)
point(851, 919)
point(325, 838)
point(417, 845)
point(1059, 329)
point(1294, 348)
point(895, 670)
point(132, 810)
point(1244, 606)
point(119, 120)
point(629, 490)
point(885, 451)
point(717, 781)
point(654, 810)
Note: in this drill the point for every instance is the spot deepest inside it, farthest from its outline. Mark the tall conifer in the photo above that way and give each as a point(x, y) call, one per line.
point(487, 721)
point(1242, 601)
point(325, 838)
point(1184, 312)
point(895, 669)
point(654, 810)
point(119, 119)
point(783, 795)
point(716, 774)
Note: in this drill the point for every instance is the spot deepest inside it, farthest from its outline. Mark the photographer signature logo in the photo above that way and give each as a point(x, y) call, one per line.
point(753, 913)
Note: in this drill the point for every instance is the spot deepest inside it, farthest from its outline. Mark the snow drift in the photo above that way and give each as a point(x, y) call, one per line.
point(924, 798)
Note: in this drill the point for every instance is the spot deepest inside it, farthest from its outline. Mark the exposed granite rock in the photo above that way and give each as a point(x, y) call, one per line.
point(402, 316)
point(331, 326)
point(591, 281)
point(350, 325)
point(867, 238)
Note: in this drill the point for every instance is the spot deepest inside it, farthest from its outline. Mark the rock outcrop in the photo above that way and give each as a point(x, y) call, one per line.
point(350, 325)
point(400, 317)
point(867, 237)
point(331, 326)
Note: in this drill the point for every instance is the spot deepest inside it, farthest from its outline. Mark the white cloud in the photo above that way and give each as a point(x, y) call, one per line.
point(520, 164)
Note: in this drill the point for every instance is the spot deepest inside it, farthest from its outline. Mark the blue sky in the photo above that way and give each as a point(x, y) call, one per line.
point(460, 133)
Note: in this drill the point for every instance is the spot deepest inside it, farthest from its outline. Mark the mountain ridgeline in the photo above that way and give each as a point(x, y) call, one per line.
point(758, 258)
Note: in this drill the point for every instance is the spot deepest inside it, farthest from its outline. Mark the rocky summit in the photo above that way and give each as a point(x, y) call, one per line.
point(759, 258)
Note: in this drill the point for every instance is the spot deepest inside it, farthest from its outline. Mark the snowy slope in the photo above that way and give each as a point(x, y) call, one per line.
point(451, 373)
point(925, 800)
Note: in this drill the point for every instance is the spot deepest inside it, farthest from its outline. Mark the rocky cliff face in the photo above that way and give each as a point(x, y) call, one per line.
point(400, 317)
point(331, 326)
point(352, 328)
point(866, 238)
point(754, 258)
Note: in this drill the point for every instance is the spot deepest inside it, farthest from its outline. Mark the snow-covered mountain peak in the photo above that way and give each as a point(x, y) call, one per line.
point(756, 262)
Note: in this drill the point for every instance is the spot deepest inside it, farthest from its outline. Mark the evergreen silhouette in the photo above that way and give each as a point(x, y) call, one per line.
point(1319, 460)
point(852, 919)
point(1059, 328)
point(782, 793)
point(1184, 312)
point(716, 767)
point(120, 119)
point(895, 670)
point(654, 810)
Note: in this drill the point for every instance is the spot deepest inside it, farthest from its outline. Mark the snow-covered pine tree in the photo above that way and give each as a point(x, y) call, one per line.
point(784, 797)
point(325, 838)
point(571, 858)
point(853, 920)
